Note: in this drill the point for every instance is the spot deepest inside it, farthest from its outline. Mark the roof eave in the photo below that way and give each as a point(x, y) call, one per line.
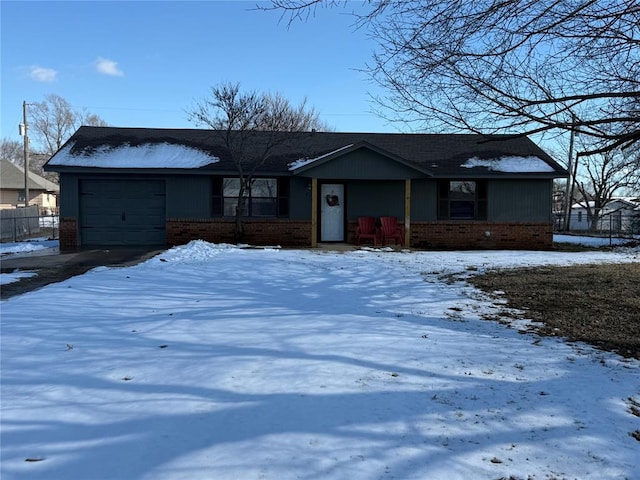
point(500, 176)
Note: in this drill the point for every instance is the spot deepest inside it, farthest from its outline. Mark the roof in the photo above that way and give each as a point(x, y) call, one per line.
point(614, 202)
point(12, 178)
point(436, 155)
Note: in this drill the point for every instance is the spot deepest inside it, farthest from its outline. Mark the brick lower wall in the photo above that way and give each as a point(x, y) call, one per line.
point(482, 235)
point(256, 232)
point(426, 235)
point(68, 234)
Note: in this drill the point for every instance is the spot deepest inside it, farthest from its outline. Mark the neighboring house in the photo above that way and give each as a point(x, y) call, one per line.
point(617, 215)
point(162, 186)
point(42, 192)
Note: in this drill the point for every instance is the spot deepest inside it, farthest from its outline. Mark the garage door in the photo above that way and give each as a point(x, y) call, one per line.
point(122, 212)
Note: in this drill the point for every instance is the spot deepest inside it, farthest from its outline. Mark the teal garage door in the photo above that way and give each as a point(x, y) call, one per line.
point(122, 212)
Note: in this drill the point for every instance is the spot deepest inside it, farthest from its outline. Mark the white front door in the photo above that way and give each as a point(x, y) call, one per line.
point(332, 212)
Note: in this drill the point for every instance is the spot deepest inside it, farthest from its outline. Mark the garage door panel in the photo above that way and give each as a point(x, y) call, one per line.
point(122, 212)
point(144, 237)
point(98, 236)
point(142, 220)
point(101, 188)
point(96, 203)
point(98, 221)
point(143, 210)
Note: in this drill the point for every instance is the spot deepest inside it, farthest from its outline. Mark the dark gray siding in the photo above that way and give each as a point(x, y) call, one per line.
point(189, 196)
point(69, 201)
point(375, 198)
point(362, 164)
point(519, 200)
point(424, 200)
point(300, 199)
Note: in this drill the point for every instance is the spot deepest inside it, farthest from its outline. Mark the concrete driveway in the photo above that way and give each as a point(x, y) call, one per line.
point(52, 266)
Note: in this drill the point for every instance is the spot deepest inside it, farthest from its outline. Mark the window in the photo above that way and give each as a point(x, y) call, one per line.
point(462, 200)
point(267, 197)
point(22, 197)
point(230, 192)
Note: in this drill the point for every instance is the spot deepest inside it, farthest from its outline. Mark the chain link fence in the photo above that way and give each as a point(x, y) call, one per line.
point(613, 224)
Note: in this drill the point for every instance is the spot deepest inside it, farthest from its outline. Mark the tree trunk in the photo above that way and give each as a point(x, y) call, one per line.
point(239, 225)
point(595, 220)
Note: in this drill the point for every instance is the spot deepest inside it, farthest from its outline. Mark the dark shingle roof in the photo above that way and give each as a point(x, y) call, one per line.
point(440, 154)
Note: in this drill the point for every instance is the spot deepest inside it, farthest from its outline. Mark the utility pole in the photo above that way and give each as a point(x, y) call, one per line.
point(24, 131)
point(573, 183)
point(572, 168)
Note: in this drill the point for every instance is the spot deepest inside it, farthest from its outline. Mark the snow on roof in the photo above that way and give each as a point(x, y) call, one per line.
point(149, 155)
point(306, 161)
point(631, 200)
point(613, 201)
point(511, 164)
point(583, 204)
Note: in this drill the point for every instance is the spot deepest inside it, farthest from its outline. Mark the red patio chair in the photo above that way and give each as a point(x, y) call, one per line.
point(367, 229)
point(391, 229)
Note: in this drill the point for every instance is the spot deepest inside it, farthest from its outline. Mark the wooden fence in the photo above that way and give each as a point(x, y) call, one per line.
point(19, 223)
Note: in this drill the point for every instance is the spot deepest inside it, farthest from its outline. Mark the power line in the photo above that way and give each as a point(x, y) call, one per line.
point(128, 109)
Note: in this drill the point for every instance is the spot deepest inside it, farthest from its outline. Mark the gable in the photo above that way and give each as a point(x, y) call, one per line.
point(359, 163)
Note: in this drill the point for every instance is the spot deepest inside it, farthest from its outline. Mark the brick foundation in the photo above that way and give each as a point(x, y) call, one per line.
point(473, 235)
point(68, 233)
point(482, 235)
point(290, 233)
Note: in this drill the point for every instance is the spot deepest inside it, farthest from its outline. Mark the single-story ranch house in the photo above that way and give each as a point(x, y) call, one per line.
point(125, 186)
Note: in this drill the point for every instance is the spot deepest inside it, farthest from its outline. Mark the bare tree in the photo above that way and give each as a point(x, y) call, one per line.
point(514, 66)
point(251, 126)
point(53, 121)
point(11, 150)
point(605, 176)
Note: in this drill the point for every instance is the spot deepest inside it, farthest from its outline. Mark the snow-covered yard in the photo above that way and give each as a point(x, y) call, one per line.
point(214, 362)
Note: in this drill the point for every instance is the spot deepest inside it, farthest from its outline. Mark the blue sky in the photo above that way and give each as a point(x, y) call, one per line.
point(143, 64)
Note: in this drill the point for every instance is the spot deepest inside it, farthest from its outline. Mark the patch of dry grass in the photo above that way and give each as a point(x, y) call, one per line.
point(596, 304)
